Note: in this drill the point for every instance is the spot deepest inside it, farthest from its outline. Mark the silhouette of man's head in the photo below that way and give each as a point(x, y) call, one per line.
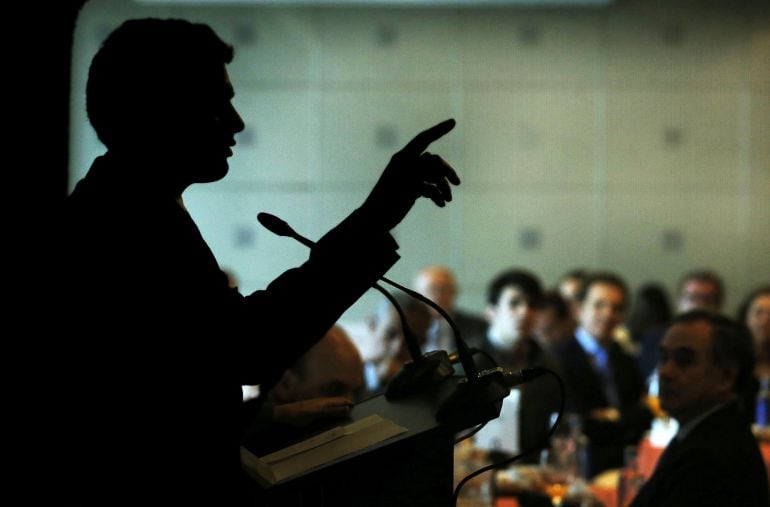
point(158, 92)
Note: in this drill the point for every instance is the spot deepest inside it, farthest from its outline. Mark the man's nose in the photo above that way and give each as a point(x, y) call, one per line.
point(236, 121)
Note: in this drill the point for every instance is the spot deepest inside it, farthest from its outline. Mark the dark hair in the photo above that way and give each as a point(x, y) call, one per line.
point(577, 273)
point(651, 308)
point(526, 282)
point(732, 343)
point(705, 275)
point(605, 278)
point(743, 309)
point(552, 299)
point(150, 66)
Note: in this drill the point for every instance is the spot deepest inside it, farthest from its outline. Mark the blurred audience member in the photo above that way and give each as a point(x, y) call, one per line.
point(569, 287)
point(755, 313)
point(554, 324)
point(321, 385)
point(388, 334)
point(438, 284)
point(513, 298)
point(705, 364)
point(699, 289)
point(651, 308)
point(603, 383)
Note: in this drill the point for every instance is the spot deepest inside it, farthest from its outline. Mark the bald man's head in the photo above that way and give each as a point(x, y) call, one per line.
point(438, 284)
point(332, 367)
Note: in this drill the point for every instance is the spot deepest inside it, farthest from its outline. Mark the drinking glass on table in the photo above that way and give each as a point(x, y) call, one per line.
point(561, 461)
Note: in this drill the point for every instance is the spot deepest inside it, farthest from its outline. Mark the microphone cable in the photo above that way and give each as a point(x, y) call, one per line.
point(543, 442)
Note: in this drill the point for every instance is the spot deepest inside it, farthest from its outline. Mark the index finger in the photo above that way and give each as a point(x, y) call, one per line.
point(422, 140)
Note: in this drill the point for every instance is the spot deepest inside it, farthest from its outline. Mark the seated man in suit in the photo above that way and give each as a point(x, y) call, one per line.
point(706, 365)
point(513, 298)
point(320, 386)
point(603, 384)
point(387, 332)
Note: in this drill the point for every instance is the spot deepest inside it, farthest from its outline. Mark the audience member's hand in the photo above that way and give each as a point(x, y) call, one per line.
point(305, 412)
point(411, 173)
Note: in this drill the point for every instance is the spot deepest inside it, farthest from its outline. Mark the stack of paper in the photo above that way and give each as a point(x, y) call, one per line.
point(320, 449)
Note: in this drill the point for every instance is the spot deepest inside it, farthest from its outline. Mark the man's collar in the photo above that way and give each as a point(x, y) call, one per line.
point(686, 429)
point(588, 342)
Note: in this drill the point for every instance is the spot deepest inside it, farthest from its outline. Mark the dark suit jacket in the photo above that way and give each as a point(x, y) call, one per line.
point(717, 464)
point(472, 327)
point(160, 345)
point(539, 398)
point(648, 357)
point(585, 393)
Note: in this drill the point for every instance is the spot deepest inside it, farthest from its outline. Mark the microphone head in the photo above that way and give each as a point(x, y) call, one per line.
point(274, 224)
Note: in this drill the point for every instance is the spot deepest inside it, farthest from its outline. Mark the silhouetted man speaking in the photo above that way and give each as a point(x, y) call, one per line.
point(160, 345)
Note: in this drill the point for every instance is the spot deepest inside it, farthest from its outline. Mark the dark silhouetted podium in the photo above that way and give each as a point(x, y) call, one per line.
point(414, 468)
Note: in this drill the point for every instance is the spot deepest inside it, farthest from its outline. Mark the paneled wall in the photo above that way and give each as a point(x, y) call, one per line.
point(634, 138)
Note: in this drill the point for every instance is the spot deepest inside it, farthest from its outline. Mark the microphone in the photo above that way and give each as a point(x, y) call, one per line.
point(477, 398)
point(510, 378)
point(423, 369)
point(281, 228)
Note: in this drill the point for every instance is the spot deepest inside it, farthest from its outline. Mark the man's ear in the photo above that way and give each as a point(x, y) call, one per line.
point(284, 389)
point(728, 377)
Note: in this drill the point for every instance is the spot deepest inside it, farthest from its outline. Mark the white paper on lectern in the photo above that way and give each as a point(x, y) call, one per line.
point(322, 448)
point(502, 434)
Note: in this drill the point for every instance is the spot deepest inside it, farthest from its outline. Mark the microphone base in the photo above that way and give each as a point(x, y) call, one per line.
point(474, 401)
point(417, 376)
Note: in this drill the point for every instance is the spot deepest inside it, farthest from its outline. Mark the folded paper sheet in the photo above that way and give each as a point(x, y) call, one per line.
point(320, 449)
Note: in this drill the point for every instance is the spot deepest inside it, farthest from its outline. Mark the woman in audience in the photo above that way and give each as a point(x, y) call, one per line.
point(755, 313)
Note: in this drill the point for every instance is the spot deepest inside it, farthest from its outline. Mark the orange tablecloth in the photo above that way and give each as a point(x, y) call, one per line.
point(647, 457)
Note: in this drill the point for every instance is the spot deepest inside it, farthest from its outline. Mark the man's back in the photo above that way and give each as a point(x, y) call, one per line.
point(153, 377)
point(717, 464)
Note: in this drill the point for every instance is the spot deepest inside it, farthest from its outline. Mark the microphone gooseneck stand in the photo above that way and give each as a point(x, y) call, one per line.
point(471, 401)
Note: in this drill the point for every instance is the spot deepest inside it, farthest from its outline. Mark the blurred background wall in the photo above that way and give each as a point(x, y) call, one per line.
point(633, 137)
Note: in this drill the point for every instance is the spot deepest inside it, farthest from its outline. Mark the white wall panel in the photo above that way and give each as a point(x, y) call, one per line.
point(675, 43)
point(362, 129)
point(568, 227)
point(392, 46)
point(531, 47)
point(279, 141)
point(530, 138)
point(641, 229)
point(687, 140)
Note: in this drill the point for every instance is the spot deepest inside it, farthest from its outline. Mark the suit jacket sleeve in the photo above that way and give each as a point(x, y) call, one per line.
point(297, 308)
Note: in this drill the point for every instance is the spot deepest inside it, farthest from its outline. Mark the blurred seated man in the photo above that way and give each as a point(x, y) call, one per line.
point(705, 366)
point(438, 284)
point(554, 324)
point(699, 289)
point(602, 381)
point(513, 297)
point(388, 334)
point(569, 286)
point(321, 385)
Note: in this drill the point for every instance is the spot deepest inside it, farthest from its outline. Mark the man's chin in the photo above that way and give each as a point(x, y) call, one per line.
point(213, 172)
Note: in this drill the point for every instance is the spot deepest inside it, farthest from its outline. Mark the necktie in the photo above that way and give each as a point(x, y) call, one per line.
point(604, 370)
